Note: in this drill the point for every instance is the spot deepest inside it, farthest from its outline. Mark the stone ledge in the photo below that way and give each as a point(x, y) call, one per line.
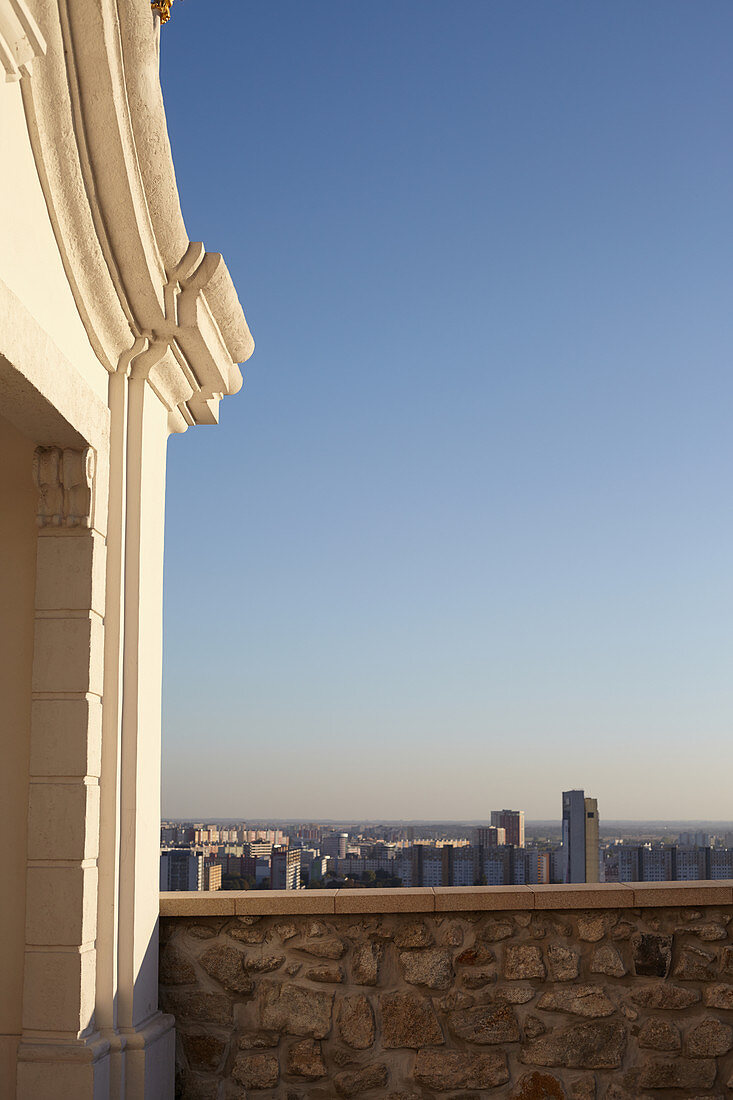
point(446, 899)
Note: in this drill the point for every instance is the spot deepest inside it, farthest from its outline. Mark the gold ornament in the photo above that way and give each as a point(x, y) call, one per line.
point(163, 8)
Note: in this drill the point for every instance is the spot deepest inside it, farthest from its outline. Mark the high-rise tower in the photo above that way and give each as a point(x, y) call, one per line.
point(579, 837)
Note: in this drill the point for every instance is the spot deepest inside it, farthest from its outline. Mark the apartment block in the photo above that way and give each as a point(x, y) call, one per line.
point(181, 870)
point(512, 822)
point(285, 868)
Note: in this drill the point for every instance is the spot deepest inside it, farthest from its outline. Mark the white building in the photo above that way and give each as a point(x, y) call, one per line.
point(115, 330)
point(285, 869)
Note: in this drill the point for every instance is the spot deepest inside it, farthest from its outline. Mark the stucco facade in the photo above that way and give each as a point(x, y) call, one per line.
point(115, 330)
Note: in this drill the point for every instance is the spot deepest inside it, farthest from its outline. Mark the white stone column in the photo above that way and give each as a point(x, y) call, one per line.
point(141, 1038)
point(109, 838)
point(61, 1054)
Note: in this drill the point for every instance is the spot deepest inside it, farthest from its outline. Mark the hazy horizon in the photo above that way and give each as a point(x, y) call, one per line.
point(463, 540)
point(528, 822)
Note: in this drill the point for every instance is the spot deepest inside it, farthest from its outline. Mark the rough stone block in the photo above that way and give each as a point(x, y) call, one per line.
point(431, 967)
point(563, 963)
point(709, 1039)
point(709, 932)
point(443, 1070)
point(365, 962)
point(726, 960)
point(355, 1021)
point(453, 935)
point(244, 933)
point(263, 964)
point(477, 955)
point(256, 1071)
point(678, 1073)
point(408, 1021)
point(227, 966)
point(592, 927)
point(306, 1060)
point(332, 974)
point(695, 965)
point(663, 996)
point(328, 947)
point(580, 1000)
point(523, 960)
point(414, 933)
point(659, 1034)
point(607, 960)
point(514, 994)
point(486, 1024)
point(719, 996)
point(538, 1086)
point(285, 930)
point(596, 1045)
point(295, 1010)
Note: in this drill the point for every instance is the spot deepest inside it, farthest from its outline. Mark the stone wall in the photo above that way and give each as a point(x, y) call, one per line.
point(609, 1000)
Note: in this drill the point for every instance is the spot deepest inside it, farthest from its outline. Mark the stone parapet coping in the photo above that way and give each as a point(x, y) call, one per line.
point(445, 899)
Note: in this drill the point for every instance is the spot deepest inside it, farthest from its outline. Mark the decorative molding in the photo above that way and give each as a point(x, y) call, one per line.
point(97, 126)
point(65, 481)
point(20, 39)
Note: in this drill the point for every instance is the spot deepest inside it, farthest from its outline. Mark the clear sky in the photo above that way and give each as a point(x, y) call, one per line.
point(464, 538)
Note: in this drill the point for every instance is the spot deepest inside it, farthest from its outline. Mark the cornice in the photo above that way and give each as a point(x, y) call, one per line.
point(97, 126)
point(20, 39)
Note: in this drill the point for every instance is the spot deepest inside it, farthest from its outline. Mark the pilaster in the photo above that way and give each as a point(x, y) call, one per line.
point(140, 1037)
point(148, 1034)
point(60, 1053)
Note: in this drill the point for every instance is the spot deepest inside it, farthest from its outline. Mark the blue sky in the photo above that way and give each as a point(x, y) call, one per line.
point(463, 540)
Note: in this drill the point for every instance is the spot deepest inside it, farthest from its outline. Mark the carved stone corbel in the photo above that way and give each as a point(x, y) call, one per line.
point(65, 482)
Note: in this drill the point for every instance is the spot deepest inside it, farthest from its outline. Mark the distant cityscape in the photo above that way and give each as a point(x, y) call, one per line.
point(244, 855)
